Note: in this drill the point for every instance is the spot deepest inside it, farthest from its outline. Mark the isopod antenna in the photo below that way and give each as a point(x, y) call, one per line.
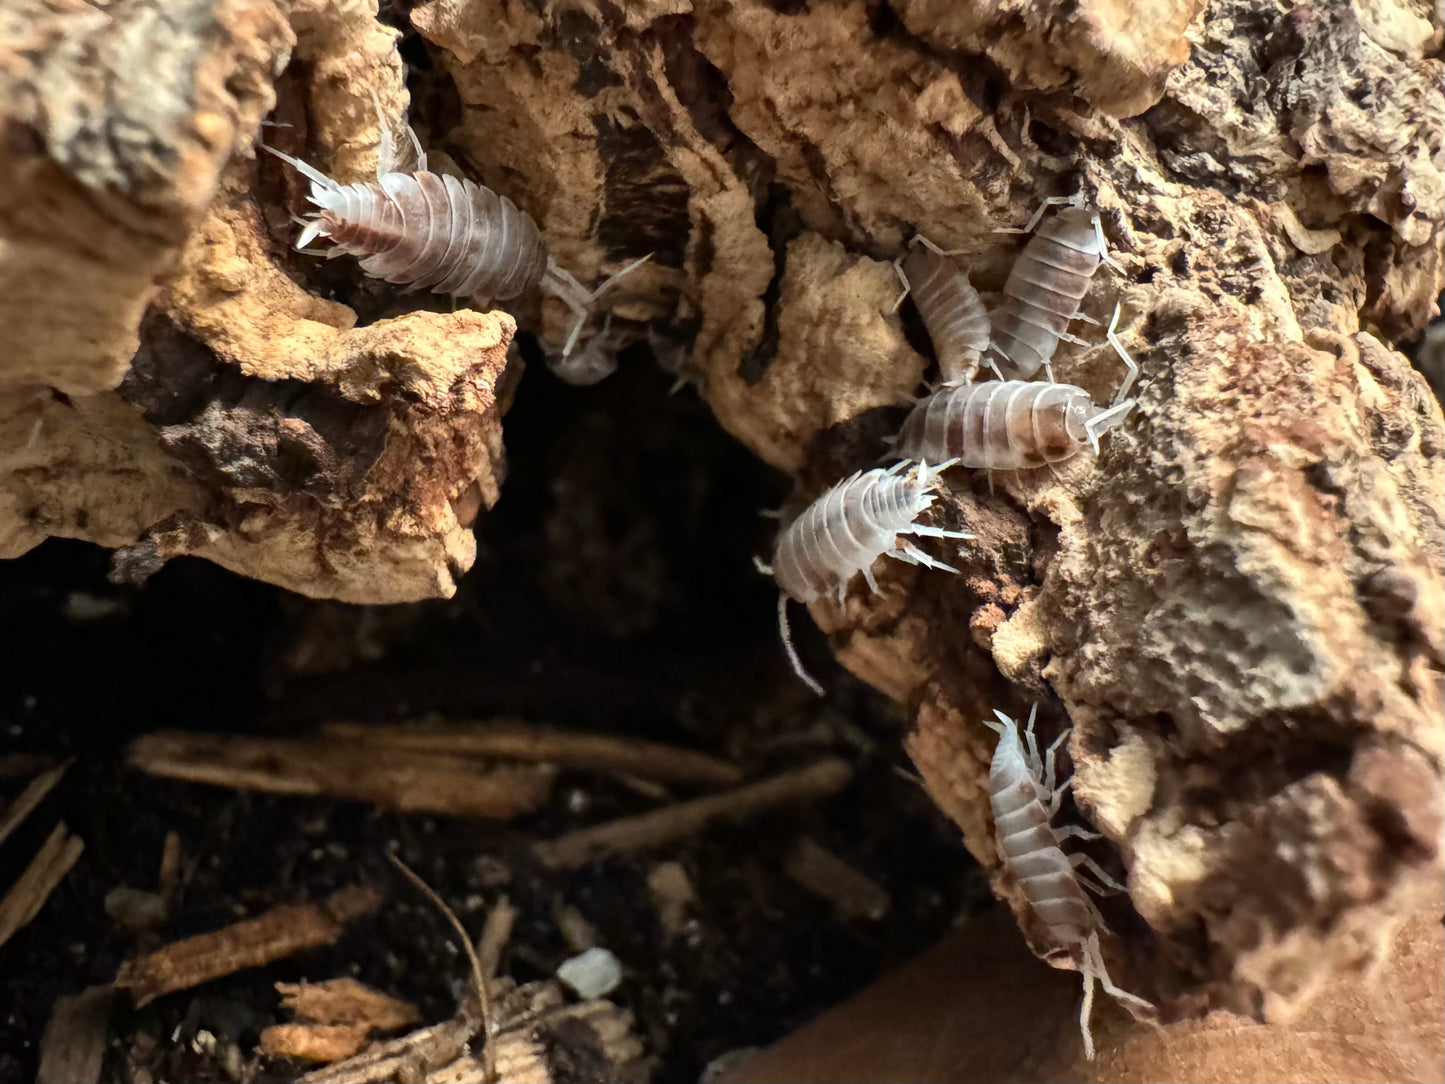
point(787, 634)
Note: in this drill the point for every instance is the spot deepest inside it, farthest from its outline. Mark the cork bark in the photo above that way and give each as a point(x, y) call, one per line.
point(1237, 605)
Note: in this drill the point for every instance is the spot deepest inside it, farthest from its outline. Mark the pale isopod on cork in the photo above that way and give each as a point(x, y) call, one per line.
point(847, 529)
point(1025, 800)
point(1006, 424)
point(1048, 280)
point(432, 231)
point(951, 309)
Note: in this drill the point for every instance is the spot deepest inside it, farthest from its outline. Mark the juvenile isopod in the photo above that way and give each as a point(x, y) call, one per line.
point(1006, 424)
point(842, 533)
point(1048, 280)
point(952, 311)
point(1024, 798)
point(432, 231)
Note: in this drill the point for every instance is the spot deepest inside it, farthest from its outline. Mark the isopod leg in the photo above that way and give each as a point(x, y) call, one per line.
point(1076, 200)
point(999, 726)
point(1086, 969)
point(1032, 742)
point(1073, 831)
point(946, 253)
point(936, 532)
point(1124, 356)
point(1083, 861)
point(416, 146)
point(903, 279)
point(1096, 959)
point(907, 551)
point(1105, 420)
point(578, 298)
point(872, 583)
point(787, 635)
point(1048, 777)
point(1056, 799)
point(572, 294)
point(1104, 256)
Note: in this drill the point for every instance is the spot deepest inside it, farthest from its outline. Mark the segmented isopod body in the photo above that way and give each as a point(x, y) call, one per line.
point(848, 528)
point(1048, 280)
point(433, 231)
point(1025, 800)
point(428, 230)
point(1006, 424)
point(952, 311)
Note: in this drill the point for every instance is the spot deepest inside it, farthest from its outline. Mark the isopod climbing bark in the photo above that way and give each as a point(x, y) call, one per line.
point(1025, 798)
point(843, 532)
point(1043, 291)
point(1005, 424)
point(952, 311)
point(428, 230)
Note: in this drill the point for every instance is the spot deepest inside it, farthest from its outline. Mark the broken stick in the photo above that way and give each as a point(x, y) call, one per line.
point(686, 818)
point(399, 779)
point(273, 935)
point(28, 894)
point(515, 740)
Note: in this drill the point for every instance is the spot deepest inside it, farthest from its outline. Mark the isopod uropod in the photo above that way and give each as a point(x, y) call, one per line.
point(1024, 800)
point(845, 530)
point(433, 231)
point(1048, 280)
point(1006, 424)
point(952, 311)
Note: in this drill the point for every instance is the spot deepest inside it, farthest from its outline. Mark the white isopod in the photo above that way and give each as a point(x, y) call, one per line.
point(952, 311)
point(436, 232)
point(1048, 280)
point(1006, 424)
point(1024, 798)
point(842, 533)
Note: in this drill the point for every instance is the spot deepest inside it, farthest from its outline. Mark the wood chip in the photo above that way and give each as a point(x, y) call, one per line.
point(28, 894)
point(495, 934)
point(278, 933)
point(409, 782)
point(687, 818)
point(34, 792)
point(541, 1039)
point(72, 1048)
point(411, 1057)
point(852, 893)
point(323, 1043)
point(514, 740)
point(345, 1001)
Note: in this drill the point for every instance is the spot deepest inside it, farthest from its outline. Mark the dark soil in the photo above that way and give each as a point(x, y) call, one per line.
point(614, 591)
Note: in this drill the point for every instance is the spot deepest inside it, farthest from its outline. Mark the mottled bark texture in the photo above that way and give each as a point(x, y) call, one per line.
point(170, 384)
point(1238, 606)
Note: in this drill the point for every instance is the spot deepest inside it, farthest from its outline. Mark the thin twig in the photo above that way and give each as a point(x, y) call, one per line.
point(685, 818)
point(484, 997)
